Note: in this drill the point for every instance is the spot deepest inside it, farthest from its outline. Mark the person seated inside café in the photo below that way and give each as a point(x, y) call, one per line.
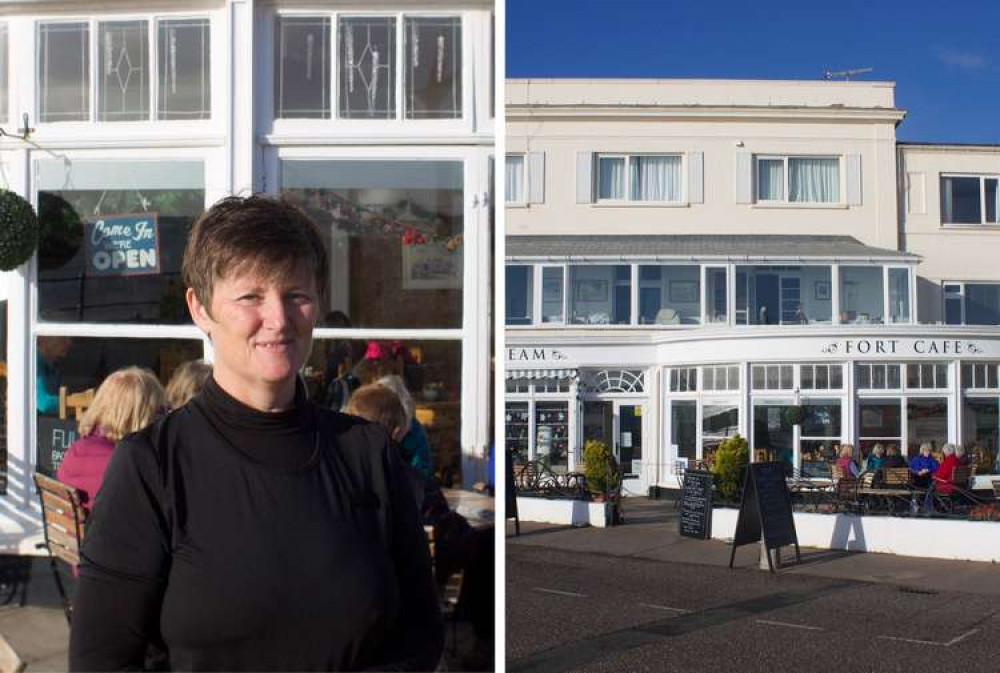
point(892, 457)
point(877, 458)
point(846, 461)
point(923, 466)
point(944, 476)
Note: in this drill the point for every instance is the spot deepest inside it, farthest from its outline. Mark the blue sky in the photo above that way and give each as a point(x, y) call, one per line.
point(944, 55)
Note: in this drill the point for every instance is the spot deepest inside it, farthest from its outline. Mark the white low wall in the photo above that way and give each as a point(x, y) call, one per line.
point(904, 536)
point(565, 512)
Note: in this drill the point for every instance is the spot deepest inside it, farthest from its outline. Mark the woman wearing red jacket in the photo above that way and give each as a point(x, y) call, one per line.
point(126, 402)
point(946, 471)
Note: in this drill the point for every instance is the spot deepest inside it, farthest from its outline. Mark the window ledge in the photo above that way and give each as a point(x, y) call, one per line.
point(515, 204)
point(640, 204)
point(970, 227)
point(800, 206)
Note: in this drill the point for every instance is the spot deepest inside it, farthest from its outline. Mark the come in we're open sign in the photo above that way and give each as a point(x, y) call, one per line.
point(122, 245)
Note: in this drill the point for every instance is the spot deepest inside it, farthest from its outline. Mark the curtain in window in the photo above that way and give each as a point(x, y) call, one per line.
point(514, 179)
point(611, 178)
point(813, 180)
point(655, 179)
point(771, 180)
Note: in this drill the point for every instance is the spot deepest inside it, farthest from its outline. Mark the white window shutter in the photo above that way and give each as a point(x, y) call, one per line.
point(743, 177)
point(536, 177)
point(584, 177)
point(854, 179)
point(696, 177)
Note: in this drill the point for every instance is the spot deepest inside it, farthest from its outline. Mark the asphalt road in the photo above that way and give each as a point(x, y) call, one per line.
point(578, 611)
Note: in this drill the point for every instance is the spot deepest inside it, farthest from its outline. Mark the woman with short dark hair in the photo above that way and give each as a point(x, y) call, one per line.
point(251, 529)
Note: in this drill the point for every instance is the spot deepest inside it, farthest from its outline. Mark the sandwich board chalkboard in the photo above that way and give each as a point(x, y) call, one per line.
point(696, 504)
point(510, 497)
point(765, 511)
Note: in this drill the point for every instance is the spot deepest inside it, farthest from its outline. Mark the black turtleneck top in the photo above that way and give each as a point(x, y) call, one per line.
point(246, 540)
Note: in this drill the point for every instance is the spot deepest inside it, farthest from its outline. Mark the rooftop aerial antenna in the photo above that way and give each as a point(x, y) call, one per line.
point(845, 74)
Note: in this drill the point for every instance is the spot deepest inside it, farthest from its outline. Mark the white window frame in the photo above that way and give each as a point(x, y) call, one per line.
point(521, 199)
point(629, 157)
point(216, 54)
point(982, 177)
point(961, 296)
point(978, 369)
point(841, 170)
point(475, 114)
point(920, 387)
point(539, 295)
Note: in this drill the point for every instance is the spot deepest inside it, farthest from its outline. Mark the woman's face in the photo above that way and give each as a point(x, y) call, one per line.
point(925, 450)
point(261, 331)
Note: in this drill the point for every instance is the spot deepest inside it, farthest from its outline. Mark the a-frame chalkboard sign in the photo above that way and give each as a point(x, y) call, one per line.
point(765, 511)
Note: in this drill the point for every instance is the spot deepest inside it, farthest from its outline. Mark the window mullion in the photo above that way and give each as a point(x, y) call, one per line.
point(401, 77)
point(154, 67)
point(94, 49)
point(333, 48)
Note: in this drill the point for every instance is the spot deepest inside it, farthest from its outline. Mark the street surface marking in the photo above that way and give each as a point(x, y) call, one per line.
point(560, 593)
point(664, 607)
point(789, 625)
point(951, 642)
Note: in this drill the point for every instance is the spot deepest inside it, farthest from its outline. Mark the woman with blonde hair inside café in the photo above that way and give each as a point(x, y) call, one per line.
point(186, 382)
point(127, 401)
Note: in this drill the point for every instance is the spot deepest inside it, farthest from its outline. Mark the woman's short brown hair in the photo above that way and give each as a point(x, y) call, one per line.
point(378, 404)
point(126, 402)
point(187, 381)
point(254, 234)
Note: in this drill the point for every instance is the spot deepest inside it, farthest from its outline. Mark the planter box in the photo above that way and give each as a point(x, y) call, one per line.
point(903, 536)
point(564, 511)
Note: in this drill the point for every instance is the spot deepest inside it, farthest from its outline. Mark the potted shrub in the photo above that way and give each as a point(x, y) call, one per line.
point(18, 231)
point(600, 468)
point(731, 460)
point(793, 415)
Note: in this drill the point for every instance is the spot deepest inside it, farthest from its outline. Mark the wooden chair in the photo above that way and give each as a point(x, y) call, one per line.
point(63, 523)
point(449, 592)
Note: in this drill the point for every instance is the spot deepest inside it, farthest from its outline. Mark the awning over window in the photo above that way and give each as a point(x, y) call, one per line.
point(535, 374)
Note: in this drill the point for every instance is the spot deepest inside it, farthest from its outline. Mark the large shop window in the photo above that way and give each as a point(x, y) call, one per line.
point(718, 422)
point(367, 48)
point(431, 370)
point(552, 434)
point(802, 179)
point(517, 426)
point(394, 230)
point(880, 422)
point(820, 434)
point(69, 370)
point(670, 295)
point(684, 429)
point(773, 435)
point(926, 421)
point(113, 236)
point(124, 75)
point(783, 295)
point(600, 295)
point(981, 430)
point(970, 200)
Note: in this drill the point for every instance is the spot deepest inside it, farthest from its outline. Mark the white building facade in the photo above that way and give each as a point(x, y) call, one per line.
point(688, 260)
point(376, 117)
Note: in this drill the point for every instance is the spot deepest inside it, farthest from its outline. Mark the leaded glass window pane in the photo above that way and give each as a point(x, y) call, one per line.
point(368, 67)
point(123, 71)
point(433, 78)
point(63, 66)
point(303, 81)
point(185, 76)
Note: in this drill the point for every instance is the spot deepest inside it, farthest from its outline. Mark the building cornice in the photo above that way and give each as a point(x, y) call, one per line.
point(533, 113)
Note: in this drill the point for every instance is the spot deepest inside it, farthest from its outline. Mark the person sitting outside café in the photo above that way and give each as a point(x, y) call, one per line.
point(846, 461)
point(946, 470)
point(963, 458)
point(877, 458)
point(892, 457)
point(923, 466)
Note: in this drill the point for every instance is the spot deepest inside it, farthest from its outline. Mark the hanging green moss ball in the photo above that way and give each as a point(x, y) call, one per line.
point(18, 231)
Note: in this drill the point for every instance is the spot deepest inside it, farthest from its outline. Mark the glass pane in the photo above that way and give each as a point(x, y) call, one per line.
point(552, 294)
point(926, 421)
point(806, 376)
point(734, 378)
point(611, 178)
point(772, 435)
point(671, 295)
point(880, 420)
point(596, 295)
point(960, 201)
point(683, 428)
point(552, 435)
point(717, 298)
point(630, 439)
point(786, 377)
point(123, 73)
point(878, 377)
point(912, 376)
point(302, 85)
point(759, 373)
point(514, 178)
point(773, 381)
point(992, 200)
point(185, 81)
point(953, 311)
point(864, 376)
point(655, 179)
point(899, 295)
point(982, 304)
point(113, 239)
point(821, 420)
point(708, 379)
point(817, 456)
point(4, 59)
point(516, 433)
point(813, 180)
point(719, 421)
point(519, 295)
point(836, 377)
point(892, 376)
point(771, 180)
point(395, 236)
point(67, 366)
point(861, 294)
point(790, 295)
point(63, 72)
point(981, 430)
point(368, 67)
point(432, 372)
point(433, 81)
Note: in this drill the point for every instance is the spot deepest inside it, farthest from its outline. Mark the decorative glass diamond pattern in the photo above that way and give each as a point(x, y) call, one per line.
point(123, 89)
point(613, 381)
point(367, 67)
